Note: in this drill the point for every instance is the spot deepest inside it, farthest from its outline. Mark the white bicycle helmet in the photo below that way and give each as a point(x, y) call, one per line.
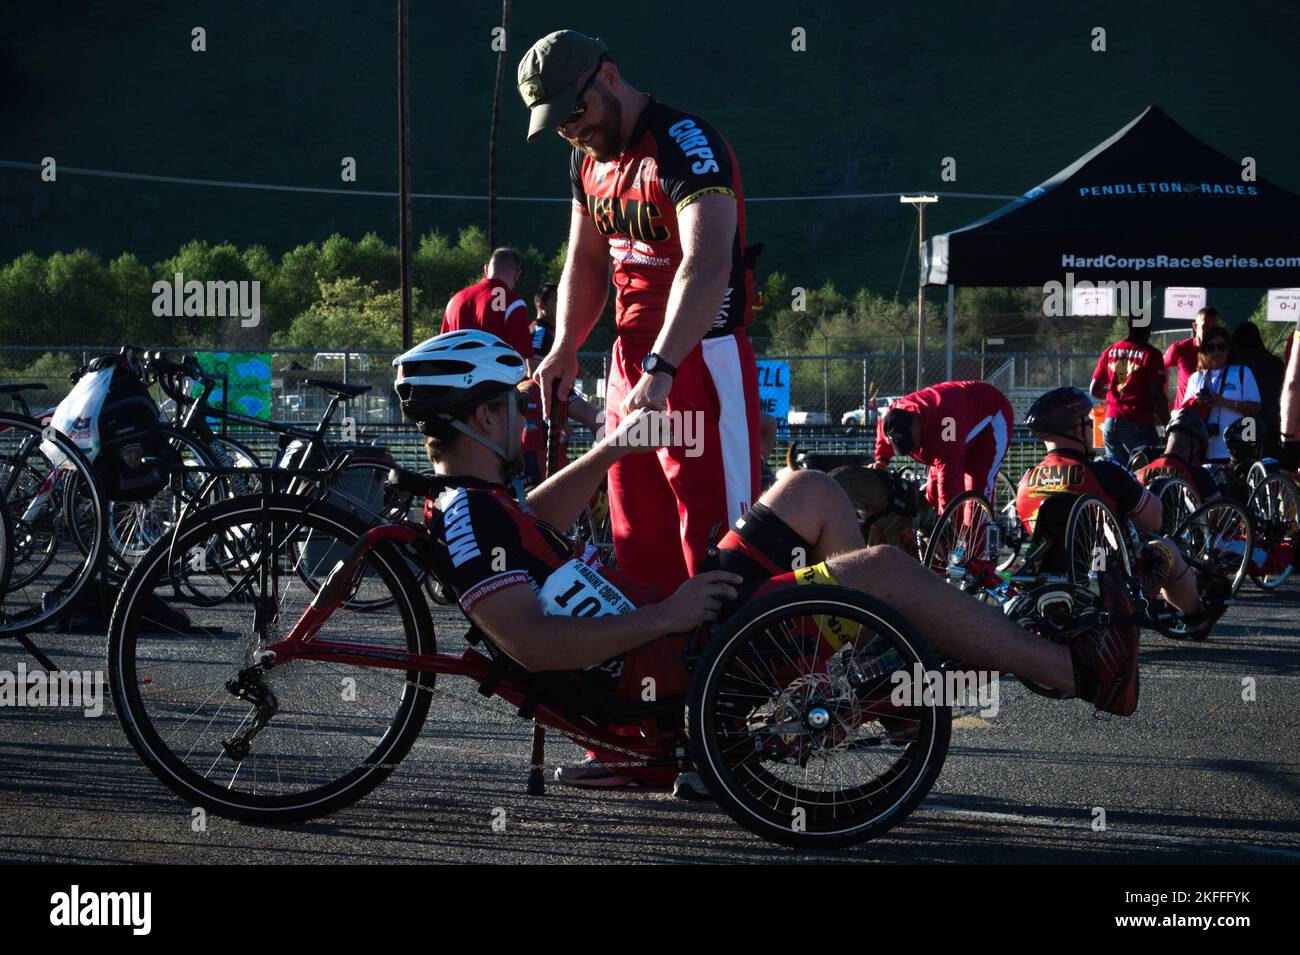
point(448, 375)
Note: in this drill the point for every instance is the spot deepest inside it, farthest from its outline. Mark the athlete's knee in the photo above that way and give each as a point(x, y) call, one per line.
point(806, 489)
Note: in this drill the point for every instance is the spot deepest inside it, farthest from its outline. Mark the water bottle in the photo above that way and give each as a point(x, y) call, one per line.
point(957, 562)
point(992, 542)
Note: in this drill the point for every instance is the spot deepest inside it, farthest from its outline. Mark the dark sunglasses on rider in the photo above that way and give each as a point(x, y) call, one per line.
point(1216, 346)
point(579, 107)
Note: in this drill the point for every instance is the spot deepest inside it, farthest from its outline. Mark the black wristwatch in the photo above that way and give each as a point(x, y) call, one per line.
point(653, 364)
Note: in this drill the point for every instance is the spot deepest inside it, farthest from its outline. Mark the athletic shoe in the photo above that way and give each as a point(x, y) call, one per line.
point(690, 787)
point(1215, 594)
point(1106, 657)
point(591, 773)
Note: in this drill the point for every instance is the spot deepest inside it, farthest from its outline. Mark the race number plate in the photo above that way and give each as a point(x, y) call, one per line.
point(576, 590)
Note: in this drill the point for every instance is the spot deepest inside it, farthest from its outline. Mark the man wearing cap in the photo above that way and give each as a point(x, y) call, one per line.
point(656, 199)
point(961, 429)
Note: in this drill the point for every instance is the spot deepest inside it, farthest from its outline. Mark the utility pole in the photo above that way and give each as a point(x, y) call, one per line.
point(920, 202)
point(404, 170)
point(496, 122)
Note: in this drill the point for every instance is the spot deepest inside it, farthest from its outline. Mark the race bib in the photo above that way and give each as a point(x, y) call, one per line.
point(576, 590)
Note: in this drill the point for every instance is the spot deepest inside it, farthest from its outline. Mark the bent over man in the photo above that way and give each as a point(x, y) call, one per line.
point(961, 429)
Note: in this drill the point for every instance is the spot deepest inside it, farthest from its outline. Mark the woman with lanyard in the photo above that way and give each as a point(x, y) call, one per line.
point(1220, 391)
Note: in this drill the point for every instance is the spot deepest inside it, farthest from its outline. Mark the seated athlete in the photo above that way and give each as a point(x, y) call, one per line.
point(1062, 418)
point(518, 577)
point(960, 429)
point(1187, 440)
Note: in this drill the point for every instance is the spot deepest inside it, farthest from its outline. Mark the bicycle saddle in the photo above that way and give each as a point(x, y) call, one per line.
point(14, 389)
point(339, 387)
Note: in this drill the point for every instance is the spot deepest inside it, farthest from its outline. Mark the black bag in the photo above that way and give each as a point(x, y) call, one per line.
point(132, 445)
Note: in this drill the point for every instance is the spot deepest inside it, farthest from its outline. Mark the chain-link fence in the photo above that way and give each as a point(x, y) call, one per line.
point(833, 397)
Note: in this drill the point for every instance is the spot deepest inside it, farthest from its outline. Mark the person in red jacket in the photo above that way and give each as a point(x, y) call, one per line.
point(1182, 354)
point(493, 305)
point(961, 429)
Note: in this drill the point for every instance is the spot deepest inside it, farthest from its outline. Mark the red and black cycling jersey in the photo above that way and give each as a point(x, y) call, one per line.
point(488, 543)
point(673, 158)
point(1175, 465)
point(1065, 472)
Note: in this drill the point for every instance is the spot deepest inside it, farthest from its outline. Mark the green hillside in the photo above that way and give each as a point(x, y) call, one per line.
point(1011, 90)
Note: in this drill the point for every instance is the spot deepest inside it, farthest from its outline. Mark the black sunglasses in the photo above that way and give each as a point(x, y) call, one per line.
point(579, 107)
point(1217, 346)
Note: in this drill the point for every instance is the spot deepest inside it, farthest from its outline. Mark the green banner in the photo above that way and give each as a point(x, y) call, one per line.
point(249, 378)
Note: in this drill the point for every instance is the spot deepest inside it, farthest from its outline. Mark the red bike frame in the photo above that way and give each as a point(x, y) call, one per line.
point(301, 643)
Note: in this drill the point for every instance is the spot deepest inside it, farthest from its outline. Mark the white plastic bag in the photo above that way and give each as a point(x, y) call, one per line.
point(77, 415)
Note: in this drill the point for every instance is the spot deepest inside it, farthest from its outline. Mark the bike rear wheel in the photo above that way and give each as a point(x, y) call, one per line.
point(962, 533)
point(1178, 500)
point(1274, 505)
point(1093, 535)
point(1218, 538)
point(1014, 536)
point(801, 744)
point(50, 566)
point(337, 731)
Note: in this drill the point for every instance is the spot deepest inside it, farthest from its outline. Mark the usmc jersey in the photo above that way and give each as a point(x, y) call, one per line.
point(1071, 474)
point(634, 201)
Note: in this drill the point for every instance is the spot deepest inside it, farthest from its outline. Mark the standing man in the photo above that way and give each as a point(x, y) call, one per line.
point(1130, 375)
point(493, 305)
point(961, 429)
point(1182, 355)
point(657, 193)
point(1290, 411)
point(1269, 371)
point(544, 325)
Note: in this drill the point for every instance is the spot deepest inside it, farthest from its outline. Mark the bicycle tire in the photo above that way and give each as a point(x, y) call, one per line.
point(1274, 504)
point(43, 608)
point(357, 777)
point(756, 796)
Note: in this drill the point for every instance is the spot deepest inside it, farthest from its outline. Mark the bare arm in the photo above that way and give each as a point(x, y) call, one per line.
point(1146, 516)
point(1291, 393)
point(708, 229)
point(1160, 401)
point(1098, 388)
point(581, 297)
point(584, 284)
point(513, 619)
point(560, 498)
point(584, 412)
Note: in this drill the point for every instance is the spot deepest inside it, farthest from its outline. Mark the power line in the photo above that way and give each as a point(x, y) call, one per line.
point(269, 187)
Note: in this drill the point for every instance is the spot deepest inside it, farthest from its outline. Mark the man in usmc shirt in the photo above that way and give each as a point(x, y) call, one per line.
point(658, 192)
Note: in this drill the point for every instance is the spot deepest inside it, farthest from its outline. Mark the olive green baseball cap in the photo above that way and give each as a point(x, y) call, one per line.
point(550, 74)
